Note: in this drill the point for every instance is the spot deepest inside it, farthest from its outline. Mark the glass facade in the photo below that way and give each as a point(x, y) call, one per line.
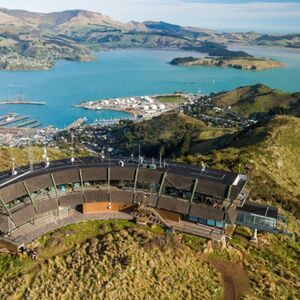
point(255, 221)
point(208, 222)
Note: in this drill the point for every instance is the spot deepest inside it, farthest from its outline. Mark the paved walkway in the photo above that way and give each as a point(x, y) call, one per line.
point(30, 232)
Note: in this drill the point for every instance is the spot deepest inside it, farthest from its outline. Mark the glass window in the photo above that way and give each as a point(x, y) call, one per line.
point(220, 224)
point(211, 222)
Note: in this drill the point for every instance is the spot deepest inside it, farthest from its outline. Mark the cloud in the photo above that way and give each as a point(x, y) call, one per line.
point(266, 15)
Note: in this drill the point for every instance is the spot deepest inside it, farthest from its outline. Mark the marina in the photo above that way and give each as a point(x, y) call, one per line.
point(15, 121)
point(76, 124)
point(11, 120)
point(7, 116)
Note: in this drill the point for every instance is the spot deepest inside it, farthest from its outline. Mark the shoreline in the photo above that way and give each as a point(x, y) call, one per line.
point(95, 54)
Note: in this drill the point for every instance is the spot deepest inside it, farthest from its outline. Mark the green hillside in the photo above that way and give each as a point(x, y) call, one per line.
point(21, 156)
point(169, 133)
point(258, 98)
point(269, 152)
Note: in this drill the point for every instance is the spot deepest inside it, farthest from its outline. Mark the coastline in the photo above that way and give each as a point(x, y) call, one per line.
point(94, 54)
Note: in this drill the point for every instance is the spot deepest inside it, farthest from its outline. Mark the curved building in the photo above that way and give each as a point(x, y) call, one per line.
point(203, 202)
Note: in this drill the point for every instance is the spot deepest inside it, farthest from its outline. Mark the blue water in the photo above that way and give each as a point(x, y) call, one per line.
point(123, 73)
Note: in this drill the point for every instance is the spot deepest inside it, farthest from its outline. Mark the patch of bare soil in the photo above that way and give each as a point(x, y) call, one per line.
point(235, 278)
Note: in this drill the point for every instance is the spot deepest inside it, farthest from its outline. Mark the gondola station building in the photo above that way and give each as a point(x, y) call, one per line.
point(196, 200)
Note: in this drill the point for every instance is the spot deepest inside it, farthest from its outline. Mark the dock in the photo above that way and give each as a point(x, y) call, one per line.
point(22, 102)
point(35, 125)
point(76, 124)
point(10, 115)
point(26, 123)
point(11, 120)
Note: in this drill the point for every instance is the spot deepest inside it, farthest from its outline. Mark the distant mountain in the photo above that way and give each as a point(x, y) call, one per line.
point(71, 34)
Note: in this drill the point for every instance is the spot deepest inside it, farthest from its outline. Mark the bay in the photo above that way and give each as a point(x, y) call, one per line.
point(122, 73)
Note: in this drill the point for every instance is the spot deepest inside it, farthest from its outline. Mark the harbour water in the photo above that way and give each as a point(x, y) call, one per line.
point(122, 73)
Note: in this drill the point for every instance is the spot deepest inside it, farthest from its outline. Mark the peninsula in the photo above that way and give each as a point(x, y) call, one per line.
point(244, 63)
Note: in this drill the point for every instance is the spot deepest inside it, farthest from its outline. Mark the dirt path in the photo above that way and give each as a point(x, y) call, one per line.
point(230, 289)
point(235, 278)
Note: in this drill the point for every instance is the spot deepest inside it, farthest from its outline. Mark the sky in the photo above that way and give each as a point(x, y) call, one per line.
point(271, 16)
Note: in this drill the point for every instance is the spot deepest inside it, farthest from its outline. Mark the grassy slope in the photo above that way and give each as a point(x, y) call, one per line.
point(21, 156)
point(270, 154)
point(168, 129)
point(257, 98)
point(112, 260)
point(270, 149)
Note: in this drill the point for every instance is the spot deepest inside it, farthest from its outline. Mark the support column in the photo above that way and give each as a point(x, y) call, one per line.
point(81, 181)
point(29, 195)
point(162, 184)
point(108, 185)
point(56, 193)
point(194, 190)
point(4, 206)
point(135, 179)
point(54, 186)
point(228, 197)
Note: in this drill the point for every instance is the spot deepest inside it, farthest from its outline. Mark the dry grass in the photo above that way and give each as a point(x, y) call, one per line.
point(130, 263)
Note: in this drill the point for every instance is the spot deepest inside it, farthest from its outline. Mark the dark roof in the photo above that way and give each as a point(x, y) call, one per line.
point(181, 176)
point(260, 209)
point(217, 176)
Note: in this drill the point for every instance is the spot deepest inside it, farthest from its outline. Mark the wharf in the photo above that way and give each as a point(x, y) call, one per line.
point(35, 125)
point(13, 120)
point(23, 102)
point(76, 124)
point(26, 123)
point(10, 115)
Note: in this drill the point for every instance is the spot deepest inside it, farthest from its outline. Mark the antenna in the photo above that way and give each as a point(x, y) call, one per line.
point(203, 167)
point(46, 158)
point(14, 172)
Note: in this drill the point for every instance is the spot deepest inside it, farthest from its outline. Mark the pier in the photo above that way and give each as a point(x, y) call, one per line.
point(26, 123)
point(22, 102)
point(11, 120)
point(76, 124)
point(10, 115)
point(39, 124)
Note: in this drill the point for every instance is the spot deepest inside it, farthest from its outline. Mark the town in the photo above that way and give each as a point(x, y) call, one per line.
point(94, 136)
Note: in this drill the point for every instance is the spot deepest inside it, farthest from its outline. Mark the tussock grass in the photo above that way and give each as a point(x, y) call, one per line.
point(126, 262)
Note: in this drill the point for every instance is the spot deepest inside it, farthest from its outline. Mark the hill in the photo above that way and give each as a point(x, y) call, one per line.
point(167, 134)
point(243, 63)
point(257, 99)
point(35, 40)
point(21, 155)
point(268, 152)
point(113, 260)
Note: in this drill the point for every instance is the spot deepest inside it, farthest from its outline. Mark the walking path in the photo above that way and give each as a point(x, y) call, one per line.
point(30, 232)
